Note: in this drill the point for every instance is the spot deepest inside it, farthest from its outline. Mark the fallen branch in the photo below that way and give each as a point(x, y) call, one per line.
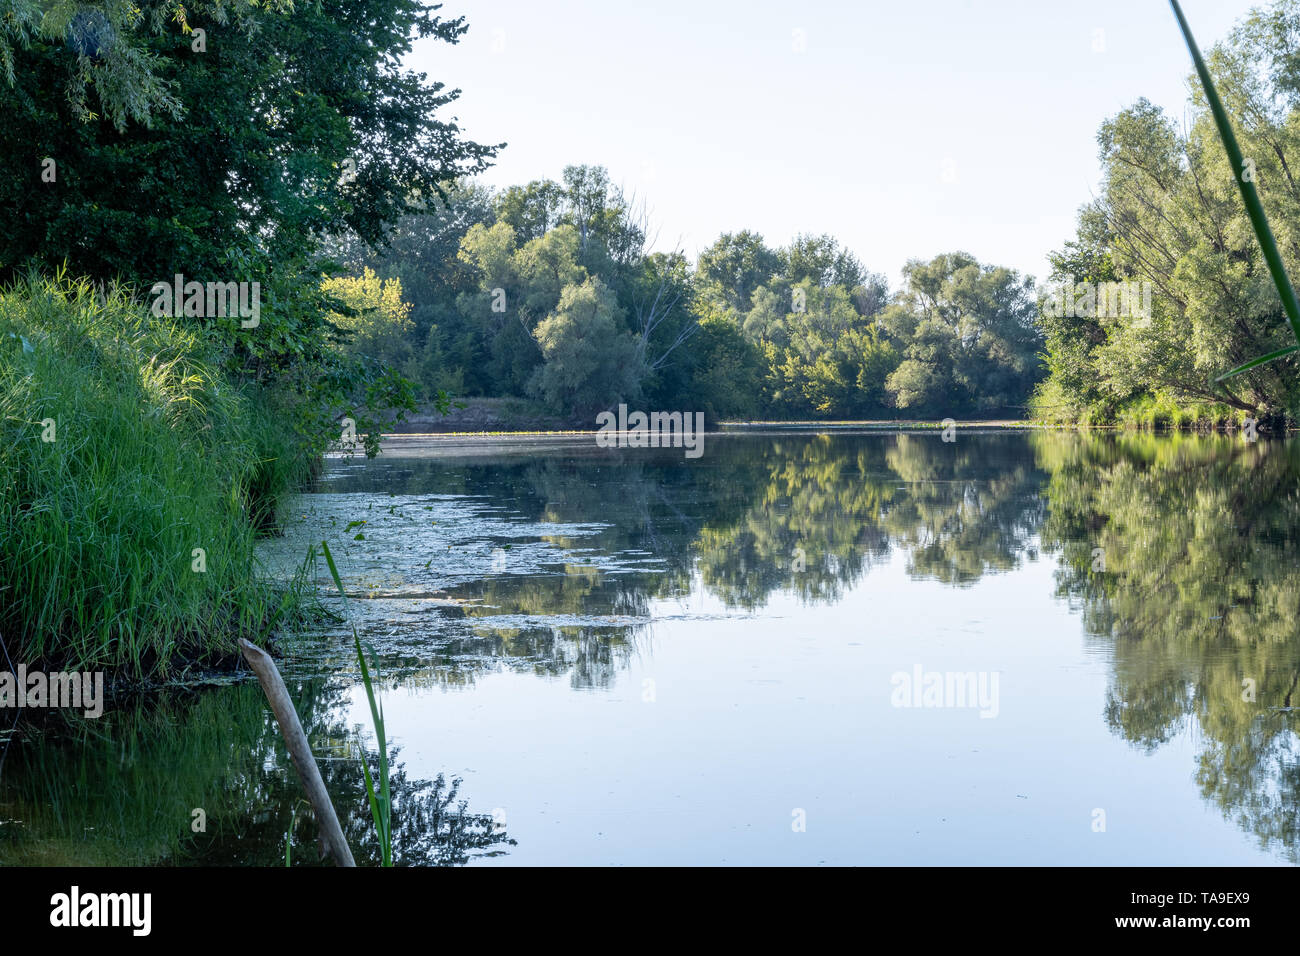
point(331, 834)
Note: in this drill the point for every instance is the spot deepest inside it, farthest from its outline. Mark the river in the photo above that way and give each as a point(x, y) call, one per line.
point(1018, 647)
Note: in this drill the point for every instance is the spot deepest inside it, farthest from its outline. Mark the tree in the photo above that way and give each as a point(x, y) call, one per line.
point(822, 261)
point(532, 210)
point(609, 236)
point(967, 335)
point(835, 361)
point(545, 267)
point(569, 232)
point(374, 316)
point(725, 374)
point(731, 269)
point(591, 361)
point(1170, 214)
point(108, 49)
point(284, 129)
point(422, 252)
point(1073, 388)
point(517, 287)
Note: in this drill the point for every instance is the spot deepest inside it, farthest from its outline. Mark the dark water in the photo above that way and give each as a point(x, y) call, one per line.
point(796, 649)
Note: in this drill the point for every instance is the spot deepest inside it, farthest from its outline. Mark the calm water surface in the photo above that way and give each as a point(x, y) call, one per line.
point(796, 649)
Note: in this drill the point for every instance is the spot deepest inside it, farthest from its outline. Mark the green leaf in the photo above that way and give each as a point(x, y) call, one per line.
point(1280, 353)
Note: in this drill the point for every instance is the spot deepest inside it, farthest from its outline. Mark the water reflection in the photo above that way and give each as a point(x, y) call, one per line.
point(1178, 555)
point(201, 777)
point(807, 514)
point(1182, 554)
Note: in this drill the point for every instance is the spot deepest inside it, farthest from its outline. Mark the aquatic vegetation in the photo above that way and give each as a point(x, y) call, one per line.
point(381, 802)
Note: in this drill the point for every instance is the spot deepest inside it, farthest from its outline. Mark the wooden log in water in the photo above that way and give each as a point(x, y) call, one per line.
point(268, 674)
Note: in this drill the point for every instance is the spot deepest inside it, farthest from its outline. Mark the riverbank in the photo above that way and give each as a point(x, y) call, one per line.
point(136, 479)
point(501, 416)
point(470, 443)
point(489, 417)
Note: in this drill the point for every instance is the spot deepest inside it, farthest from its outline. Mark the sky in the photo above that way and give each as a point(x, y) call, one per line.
point(904, 129)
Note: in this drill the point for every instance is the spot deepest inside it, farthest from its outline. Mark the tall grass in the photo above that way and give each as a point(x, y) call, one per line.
point(131, 477)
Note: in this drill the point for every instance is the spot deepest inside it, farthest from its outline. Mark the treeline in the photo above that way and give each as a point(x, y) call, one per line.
point(550, 291)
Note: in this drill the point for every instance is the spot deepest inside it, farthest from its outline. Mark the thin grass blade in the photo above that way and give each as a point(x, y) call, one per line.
point(1253, 363)
point(381, 801)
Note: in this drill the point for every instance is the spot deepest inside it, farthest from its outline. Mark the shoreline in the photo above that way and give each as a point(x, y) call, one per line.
point(744, 427)
point(872, 426)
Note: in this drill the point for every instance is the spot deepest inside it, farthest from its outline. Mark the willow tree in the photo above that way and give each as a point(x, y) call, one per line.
point(1169, 213)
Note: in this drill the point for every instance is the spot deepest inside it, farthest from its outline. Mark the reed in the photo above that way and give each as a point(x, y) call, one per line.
point(380, 799)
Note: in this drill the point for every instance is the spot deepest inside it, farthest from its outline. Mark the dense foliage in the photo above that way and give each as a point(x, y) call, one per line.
point(227, 155)
point(146, 442)
point(1170, 214)
point(133, 478)
point(550, 291)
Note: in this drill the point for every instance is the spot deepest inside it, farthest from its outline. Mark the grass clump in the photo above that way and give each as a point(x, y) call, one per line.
point(132, 476)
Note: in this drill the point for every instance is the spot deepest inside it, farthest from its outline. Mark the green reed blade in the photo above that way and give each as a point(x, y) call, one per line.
point(381, 801)
point(1280, 353)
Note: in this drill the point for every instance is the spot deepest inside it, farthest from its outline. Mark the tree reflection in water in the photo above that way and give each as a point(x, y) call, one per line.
point(122, 790)
point(1180, 554)
point(1198, 606)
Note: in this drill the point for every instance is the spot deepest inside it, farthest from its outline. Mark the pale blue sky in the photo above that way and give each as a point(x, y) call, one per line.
point(904, 129)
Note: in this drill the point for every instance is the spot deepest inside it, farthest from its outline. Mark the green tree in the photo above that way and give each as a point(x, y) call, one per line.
point(375, 317)
point(822, 261)
point(725, 376)
point(590, 359)
point(1170, 214)
point(967, 336)
point(285, 129)
point(532, 210)
point(108, 49)
point(734, 266)
point(835, 362)
point(422, 252)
